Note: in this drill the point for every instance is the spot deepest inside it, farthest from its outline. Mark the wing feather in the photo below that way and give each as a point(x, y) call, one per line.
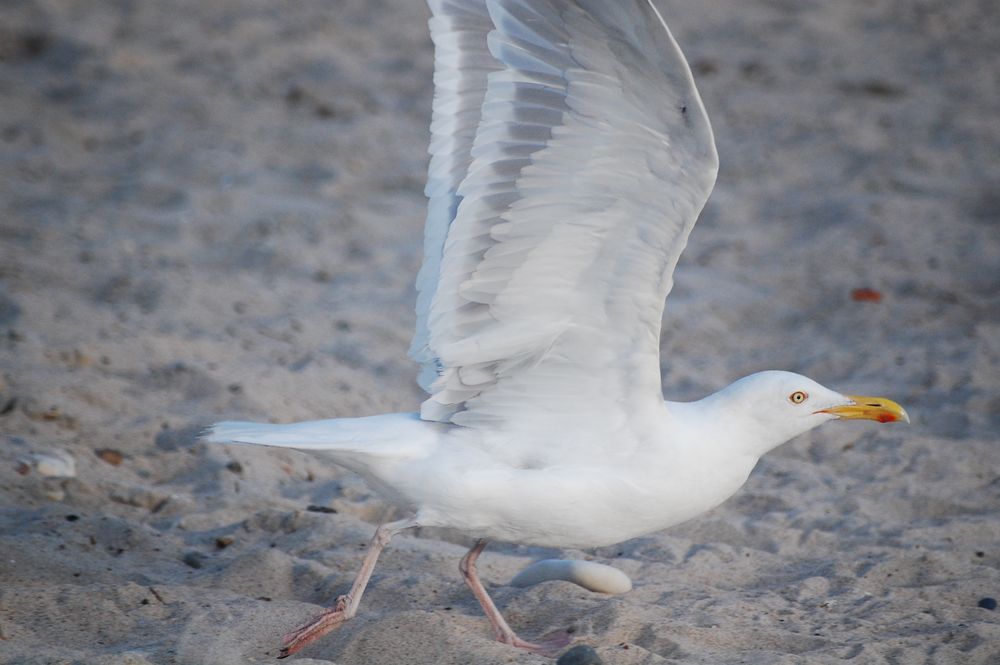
point(462, 63)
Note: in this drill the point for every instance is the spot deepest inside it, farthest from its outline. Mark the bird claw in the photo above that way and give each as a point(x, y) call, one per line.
point(321, 625)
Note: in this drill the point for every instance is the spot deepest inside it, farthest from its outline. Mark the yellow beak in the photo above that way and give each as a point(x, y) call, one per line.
point(869, 408)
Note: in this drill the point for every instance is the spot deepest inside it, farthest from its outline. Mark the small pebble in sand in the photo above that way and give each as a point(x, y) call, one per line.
point(588, 574)
point(194, 559)
point(988, 603)
point(8, 405)
point(56, 464)
point(581, 654)
point(866, 295)
point(110, 455)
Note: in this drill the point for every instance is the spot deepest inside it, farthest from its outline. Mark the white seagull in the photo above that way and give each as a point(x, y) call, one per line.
point(570, 157)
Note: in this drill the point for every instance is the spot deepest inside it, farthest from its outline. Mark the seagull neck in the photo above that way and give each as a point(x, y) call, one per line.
point(718, 422)
point(712, 458)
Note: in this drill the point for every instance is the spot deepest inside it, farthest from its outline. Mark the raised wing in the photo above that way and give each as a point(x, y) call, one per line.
point(592, 159)
point(461, 64)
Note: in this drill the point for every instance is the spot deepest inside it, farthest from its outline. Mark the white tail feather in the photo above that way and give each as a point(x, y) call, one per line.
point(391, 433)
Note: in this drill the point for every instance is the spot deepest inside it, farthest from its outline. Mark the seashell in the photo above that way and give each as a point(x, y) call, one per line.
point(56, 464)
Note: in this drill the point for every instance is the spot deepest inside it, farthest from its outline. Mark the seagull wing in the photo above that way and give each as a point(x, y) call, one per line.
point(462, 62)
point(592, 158)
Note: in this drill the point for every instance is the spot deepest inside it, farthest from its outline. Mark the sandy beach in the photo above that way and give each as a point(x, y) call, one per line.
point(214, 210)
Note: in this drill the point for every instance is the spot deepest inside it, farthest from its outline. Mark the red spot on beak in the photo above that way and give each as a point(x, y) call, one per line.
point(887, 418)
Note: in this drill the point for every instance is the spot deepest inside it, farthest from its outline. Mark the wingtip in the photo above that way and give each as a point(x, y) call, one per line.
point(207, 434)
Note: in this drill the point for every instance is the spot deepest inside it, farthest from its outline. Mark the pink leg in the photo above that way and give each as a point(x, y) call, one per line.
point(347, 605)
point(549, 646)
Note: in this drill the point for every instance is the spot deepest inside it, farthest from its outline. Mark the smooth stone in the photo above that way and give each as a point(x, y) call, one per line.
point(588, 574)
point(194, 559)
point(581, 654)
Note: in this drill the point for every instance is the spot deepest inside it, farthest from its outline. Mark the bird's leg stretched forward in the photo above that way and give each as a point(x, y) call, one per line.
point(547, 646)
point(346, 605)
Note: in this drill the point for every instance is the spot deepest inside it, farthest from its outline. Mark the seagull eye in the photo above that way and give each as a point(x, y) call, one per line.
point(798, 397)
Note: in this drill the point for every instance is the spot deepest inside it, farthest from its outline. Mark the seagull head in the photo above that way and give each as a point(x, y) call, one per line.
point(769, 408)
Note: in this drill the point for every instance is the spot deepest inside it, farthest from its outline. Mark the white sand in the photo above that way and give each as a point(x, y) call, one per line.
point(214, 209)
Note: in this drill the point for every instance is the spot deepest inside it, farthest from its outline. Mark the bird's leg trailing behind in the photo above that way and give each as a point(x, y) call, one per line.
point(347, 605)
point(548, 646)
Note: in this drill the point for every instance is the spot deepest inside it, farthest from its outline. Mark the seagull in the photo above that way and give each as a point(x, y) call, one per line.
point(570, 157)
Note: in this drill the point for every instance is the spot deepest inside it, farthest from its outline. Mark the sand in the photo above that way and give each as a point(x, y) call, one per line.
point(213, 210)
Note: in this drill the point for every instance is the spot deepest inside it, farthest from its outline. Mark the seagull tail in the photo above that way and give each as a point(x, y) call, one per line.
point(391, 433)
